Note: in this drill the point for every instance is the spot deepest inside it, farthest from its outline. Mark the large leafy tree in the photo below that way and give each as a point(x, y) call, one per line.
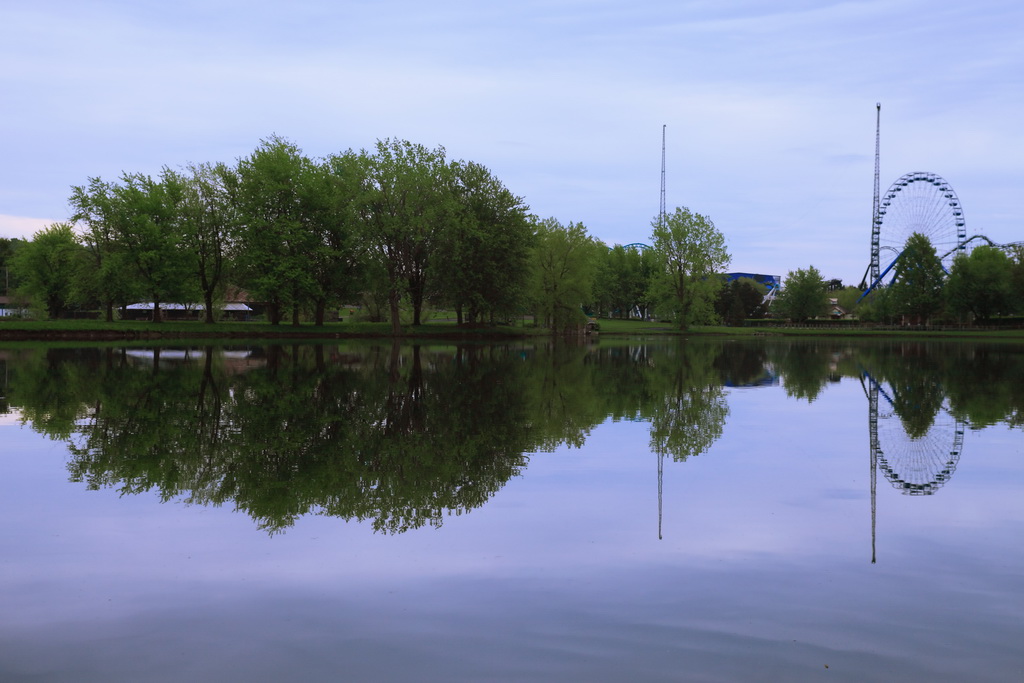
point(483, 255)
point(331, 193)
point(274, 238)
point(564, 266)
point(208, 218)
point(691, 252)
point(624, 281)
point(878, 306)
point(643, 269)
point(1017, 277)
point(803, 296)
point(8, 246)
point(407, 201)
point(918, 280)
point(107, 278)
point(849, 298)
point(45, 267)
point(603, 292)
point(980, 283)
point(740, 299)
point(148, 229)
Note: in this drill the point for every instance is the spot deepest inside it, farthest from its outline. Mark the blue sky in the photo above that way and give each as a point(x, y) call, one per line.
point(769, 107)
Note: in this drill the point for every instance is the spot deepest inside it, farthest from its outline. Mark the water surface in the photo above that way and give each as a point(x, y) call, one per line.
point(697, 510)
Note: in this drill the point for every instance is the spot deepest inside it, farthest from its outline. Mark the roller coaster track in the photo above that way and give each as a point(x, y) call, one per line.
point(1008, 247)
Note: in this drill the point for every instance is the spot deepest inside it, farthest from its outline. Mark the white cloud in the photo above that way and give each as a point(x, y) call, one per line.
point(22, 227)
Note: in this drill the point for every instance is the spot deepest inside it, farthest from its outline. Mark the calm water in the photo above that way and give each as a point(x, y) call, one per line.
point(702, 510)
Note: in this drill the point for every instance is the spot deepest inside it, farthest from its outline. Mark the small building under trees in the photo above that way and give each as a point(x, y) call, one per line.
point(144, 311)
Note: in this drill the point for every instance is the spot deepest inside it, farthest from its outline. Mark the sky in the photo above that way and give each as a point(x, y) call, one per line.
point(768, 109)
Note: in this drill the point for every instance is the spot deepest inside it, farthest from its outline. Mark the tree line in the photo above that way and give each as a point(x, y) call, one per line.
point(981, 285)
point(395, 229)
point(296, 233)
point(401, 228)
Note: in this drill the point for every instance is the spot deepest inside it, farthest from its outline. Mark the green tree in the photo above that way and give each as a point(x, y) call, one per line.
point(803, 295)
point(482, 262)
point(7, 248)
point(8, 245)
point(918, 280)
point(331, 193)
point(741, 299)
point(406, 203)
point(274, 240)
point(980, 283)
point(148, 230)
point(565, 263)
point(605, 274)
point(45, 267)
point(647, 271)
point(849, 299)
point(209, 218)
point(107, 278)
point(375, 292)
point(878, 306)
point(1017, 277)
point(624, 281)
point(691, 251)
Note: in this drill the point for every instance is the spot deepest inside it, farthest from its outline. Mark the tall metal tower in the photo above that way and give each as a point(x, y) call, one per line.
point(661, 207)
point(661, 224)
point(876, 224)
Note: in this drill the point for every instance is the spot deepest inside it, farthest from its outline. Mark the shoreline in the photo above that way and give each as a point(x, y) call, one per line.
point(126, 331)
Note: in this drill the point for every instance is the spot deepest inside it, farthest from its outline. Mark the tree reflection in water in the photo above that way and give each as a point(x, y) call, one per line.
point(403, 436)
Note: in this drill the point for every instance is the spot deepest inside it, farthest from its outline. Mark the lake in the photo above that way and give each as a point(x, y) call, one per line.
point(641, 510)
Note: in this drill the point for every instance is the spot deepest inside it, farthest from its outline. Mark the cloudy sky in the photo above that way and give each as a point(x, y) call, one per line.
point(769, 107)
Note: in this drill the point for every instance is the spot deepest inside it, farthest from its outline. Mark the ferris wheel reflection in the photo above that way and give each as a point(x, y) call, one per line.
point(914, 442)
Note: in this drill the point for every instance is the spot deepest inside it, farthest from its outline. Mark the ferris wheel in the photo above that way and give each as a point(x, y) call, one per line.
point(917, 202)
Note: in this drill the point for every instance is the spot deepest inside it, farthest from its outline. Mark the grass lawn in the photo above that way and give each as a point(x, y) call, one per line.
point(441, 325)
point(616, 327)
point(99, 330)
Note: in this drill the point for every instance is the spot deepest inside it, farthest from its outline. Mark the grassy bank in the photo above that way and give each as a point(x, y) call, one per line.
point(616, 327)
point(94, 330)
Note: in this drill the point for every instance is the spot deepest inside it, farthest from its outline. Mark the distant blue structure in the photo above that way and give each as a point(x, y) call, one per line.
point(772, 282)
